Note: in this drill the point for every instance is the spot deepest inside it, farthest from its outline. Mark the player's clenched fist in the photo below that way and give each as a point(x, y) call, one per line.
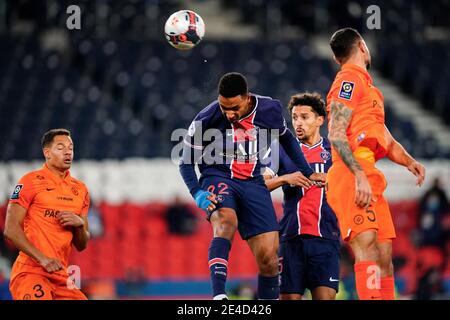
point(205, 200)
point(70, 219)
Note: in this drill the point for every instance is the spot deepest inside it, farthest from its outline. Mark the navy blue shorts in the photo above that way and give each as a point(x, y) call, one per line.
point(249, 198)
point(308, 263)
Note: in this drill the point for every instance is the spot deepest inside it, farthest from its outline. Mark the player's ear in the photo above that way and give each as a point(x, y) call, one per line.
point(336, 60)
point(46, 152)
point(320, 120)
point(361, 46)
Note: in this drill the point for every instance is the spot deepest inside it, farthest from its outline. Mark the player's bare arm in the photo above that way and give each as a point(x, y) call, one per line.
point(79, 227)
point(340, 117)
point(295, 179)
point(14, 232)
point(396, 153)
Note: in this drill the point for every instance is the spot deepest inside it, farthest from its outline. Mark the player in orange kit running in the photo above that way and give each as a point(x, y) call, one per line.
point(355, 186)
point(47, 213)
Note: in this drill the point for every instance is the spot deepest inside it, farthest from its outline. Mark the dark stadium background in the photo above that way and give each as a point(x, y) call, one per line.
point(122, 90)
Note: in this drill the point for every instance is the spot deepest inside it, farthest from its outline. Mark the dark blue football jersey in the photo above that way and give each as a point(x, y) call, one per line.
point(234, 150)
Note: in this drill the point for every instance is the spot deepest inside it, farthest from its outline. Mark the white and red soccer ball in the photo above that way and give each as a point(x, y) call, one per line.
point(184, 29)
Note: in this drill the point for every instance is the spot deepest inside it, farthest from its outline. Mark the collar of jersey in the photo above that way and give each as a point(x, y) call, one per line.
point(354, 67)
point(314, 145)
point(55, 177)
point(253, 111)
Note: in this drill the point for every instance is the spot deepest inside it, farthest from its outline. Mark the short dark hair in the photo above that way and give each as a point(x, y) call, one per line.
point(343, 42)
point(233, 84)
point(47, 138)
point(312, 99)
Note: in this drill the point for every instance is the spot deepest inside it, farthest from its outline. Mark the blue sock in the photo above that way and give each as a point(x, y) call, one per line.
point(218, 263)
point(268, 287)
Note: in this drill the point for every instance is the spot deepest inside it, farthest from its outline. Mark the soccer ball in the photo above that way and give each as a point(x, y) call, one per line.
point(184, 29)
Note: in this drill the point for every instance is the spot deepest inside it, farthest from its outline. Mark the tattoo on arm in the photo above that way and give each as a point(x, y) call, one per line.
point(340, 117)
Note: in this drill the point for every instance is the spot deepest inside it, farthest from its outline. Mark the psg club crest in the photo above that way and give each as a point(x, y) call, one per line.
point(325, 155)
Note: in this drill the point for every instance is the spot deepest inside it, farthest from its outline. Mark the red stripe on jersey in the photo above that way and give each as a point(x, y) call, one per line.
point(242, 132)
point(218, 261)
point(309, 208)
point(309, 211)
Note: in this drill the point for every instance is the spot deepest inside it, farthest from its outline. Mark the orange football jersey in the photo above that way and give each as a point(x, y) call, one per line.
point(44, 195)
point(353, 87)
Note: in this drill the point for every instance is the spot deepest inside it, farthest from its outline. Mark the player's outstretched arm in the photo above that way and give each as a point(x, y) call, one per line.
point(396, 153)
point(294, 152)
point(295, 179)
point(340, 116)
point(15, 214)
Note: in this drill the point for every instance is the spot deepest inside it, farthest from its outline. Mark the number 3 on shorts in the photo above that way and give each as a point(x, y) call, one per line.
point(39, 293)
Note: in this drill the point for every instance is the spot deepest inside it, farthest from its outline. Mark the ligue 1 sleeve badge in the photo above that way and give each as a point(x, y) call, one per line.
point(346, 90)
point(16, 192)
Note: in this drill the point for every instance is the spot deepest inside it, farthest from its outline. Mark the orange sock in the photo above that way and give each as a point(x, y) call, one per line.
point(387, 288)
point(367, 275)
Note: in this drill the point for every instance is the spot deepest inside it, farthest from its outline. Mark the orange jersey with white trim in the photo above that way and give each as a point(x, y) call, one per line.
point(353, 87)
point(44, 195)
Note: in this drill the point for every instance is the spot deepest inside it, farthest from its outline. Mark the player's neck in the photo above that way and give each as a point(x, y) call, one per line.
point(312, 140)
point(357, 60)
point(62, 173)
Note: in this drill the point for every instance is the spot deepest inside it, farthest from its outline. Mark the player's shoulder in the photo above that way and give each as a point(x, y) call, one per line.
point(266, 102)
point(210, 111)
point(78, 183)
point(36, 176)
point(326, 144)
point(347, 75)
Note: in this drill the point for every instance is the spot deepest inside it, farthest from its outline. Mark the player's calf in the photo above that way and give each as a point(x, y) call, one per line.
point(387, 283)
point(367, 270)
point(265, 247)
point(224, 223)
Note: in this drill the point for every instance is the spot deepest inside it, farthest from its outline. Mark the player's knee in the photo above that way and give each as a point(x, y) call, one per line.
point(365, 247)
point(268, 263)
point(370, 252)
point(225, 229)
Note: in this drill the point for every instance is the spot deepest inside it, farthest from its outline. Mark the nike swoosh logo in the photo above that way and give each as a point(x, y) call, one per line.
point(333, 280)
point(50, 189)
point(229, 134)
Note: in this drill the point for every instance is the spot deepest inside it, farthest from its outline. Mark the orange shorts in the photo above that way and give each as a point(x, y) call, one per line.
point(33, 283)
point(353, 219)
